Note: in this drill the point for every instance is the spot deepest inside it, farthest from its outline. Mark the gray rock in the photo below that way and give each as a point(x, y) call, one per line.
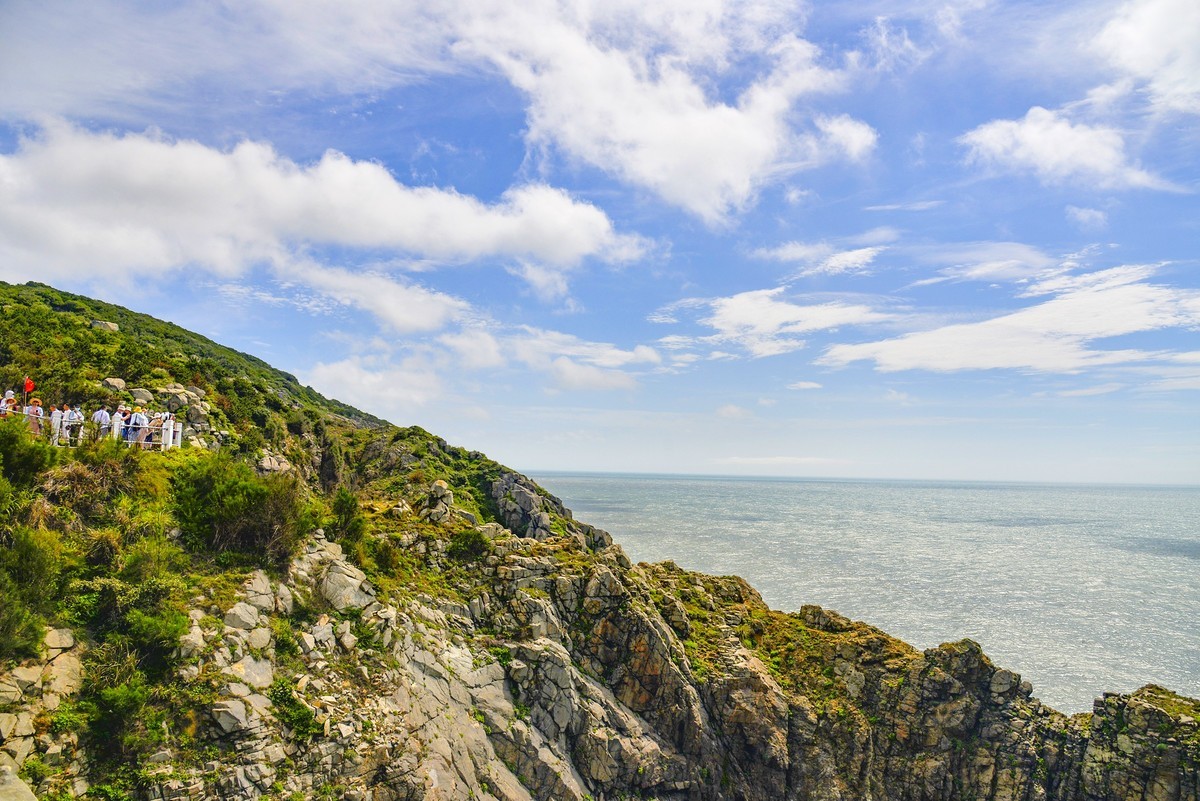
point(104, 325)
point(176, 401)
point(10, 691)
point(12, 788)
point(257, 673)
point(60, 639)
point(283, 600)
point(259, 638)
point(199, 393)
point(196, 414)
point(65, 675)
point(28, 677)
point(113, 384)
point(8, 724)
point(1003, 681)
point(242, 616)
point(142, 395)
point(230, 715)
point(343, 587)
point(258, 592)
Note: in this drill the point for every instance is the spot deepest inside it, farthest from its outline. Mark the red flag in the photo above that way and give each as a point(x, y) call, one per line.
point(28, 384)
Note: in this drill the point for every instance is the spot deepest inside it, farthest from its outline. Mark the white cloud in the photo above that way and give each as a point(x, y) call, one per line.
point(475, 348)
point(375, 384)
point(847, 261)
point(765, 325)
point(986, 261)
point(732, 411)
point(575, 363)
point(916, 205)
point(1053, 336)
point(405, 308)
point(1156, 41)
point(1058, 151)
point(1086, 392)
point(694, 101)
point(1087, 219)
point(804, 385)
point(77, 203)
point(821, 257)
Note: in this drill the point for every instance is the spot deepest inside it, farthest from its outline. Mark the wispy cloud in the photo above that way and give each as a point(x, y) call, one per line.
point(1053, 336)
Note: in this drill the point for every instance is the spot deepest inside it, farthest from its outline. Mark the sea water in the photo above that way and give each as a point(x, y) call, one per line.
point(1081, 589)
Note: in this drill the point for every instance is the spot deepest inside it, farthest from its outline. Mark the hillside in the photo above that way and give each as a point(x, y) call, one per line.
point(309, 602)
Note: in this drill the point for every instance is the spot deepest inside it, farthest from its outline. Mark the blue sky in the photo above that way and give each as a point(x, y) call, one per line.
point(926, 240)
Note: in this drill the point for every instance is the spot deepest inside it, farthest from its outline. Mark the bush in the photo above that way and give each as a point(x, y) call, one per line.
point(23, 458)
point(221, 504)
point(34, 560)
point(20, 626)
point(468, 545)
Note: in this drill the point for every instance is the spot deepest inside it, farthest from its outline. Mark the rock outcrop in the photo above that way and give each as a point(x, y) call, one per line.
point(539, 663)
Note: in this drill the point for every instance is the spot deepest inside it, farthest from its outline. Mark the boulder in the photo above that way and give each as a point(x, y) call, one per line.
point(65, 675)
point(343, 587)
point(230, 715)
point(104, 325)
point(196, 414)
point(258, 592)
point(176, 401)
point(113, 384)
point(12, 788)
point(256, 673)
point(199, 393)
point(242, 616)
point(142, 396)
point(59, 639)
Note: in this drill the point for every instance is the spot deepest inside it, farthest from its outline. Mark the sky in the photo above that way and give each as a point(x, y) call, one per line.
point(934, 239)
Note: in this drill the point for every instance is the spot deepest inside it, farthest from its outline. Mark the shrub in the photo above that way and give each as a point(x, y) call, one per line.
point(293, 714)
point(20, 626)
point(34, 559)
point(23, 458)
point(221, 504)
point(468, 545)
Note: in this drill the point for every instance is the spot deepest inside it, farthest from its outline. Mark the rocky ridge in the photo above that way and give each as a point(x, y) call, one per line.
point(565, 672)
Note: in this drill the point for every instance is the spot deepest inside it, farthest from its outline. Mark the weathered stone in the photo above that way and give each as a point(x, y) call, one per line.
point(242, 616)
point(283, 600)
point(230, 715)
point(65, 675)
point(142, 396)
point(60, 639)
point(257, 590)
point(12, 788)
point(259, 638)
point(28, 677)
point(257, 673)
point(104, 325)
point(342, 586)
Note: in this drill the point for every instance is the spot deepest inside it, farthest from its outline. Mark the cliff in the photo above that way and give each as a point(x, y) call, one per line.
point(370, 612)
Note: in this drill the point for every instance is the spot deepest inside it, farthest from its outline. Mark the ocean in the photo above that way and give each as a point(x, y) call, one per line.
point(1080, 589)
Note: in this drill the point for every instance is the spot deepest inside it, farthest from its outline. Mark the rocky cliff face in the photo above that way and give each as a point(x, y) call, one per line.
point(531, 660)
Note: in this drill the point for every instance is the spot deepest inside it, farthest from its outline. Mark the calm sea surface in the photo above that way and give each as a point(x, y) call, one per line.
point(1081, 589)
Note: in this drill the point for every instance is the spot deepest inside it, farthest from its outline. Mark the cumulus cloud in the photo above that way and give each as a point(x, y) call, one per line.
point(1053, 336)
point(698, 102)
point(1155, 41)
point(731, 411)
point(804, 385)
point(1058, 151)
point(73, 202)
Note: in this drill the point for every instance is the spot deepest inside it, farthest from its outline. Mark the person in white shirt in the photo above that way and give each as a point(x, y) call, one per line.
point(103, 421)
point(118, 423)
point(140, 425)
point(56, 423)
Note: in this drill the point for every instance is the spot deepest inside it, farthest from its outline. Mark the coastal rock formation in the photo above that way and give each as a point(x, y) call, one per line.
point(568, 673)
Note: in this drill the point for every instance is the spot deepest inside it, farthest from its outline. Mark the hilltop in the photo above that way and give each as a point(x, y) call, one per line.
point(307, 601)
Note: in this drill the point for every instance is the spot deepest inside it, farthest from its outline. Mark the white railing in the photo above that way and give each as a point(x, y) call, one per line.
point(70, 433)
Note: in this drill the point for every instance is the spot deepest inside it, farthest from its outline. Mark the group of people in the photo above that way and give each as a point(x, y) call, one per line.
point(64, 425)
